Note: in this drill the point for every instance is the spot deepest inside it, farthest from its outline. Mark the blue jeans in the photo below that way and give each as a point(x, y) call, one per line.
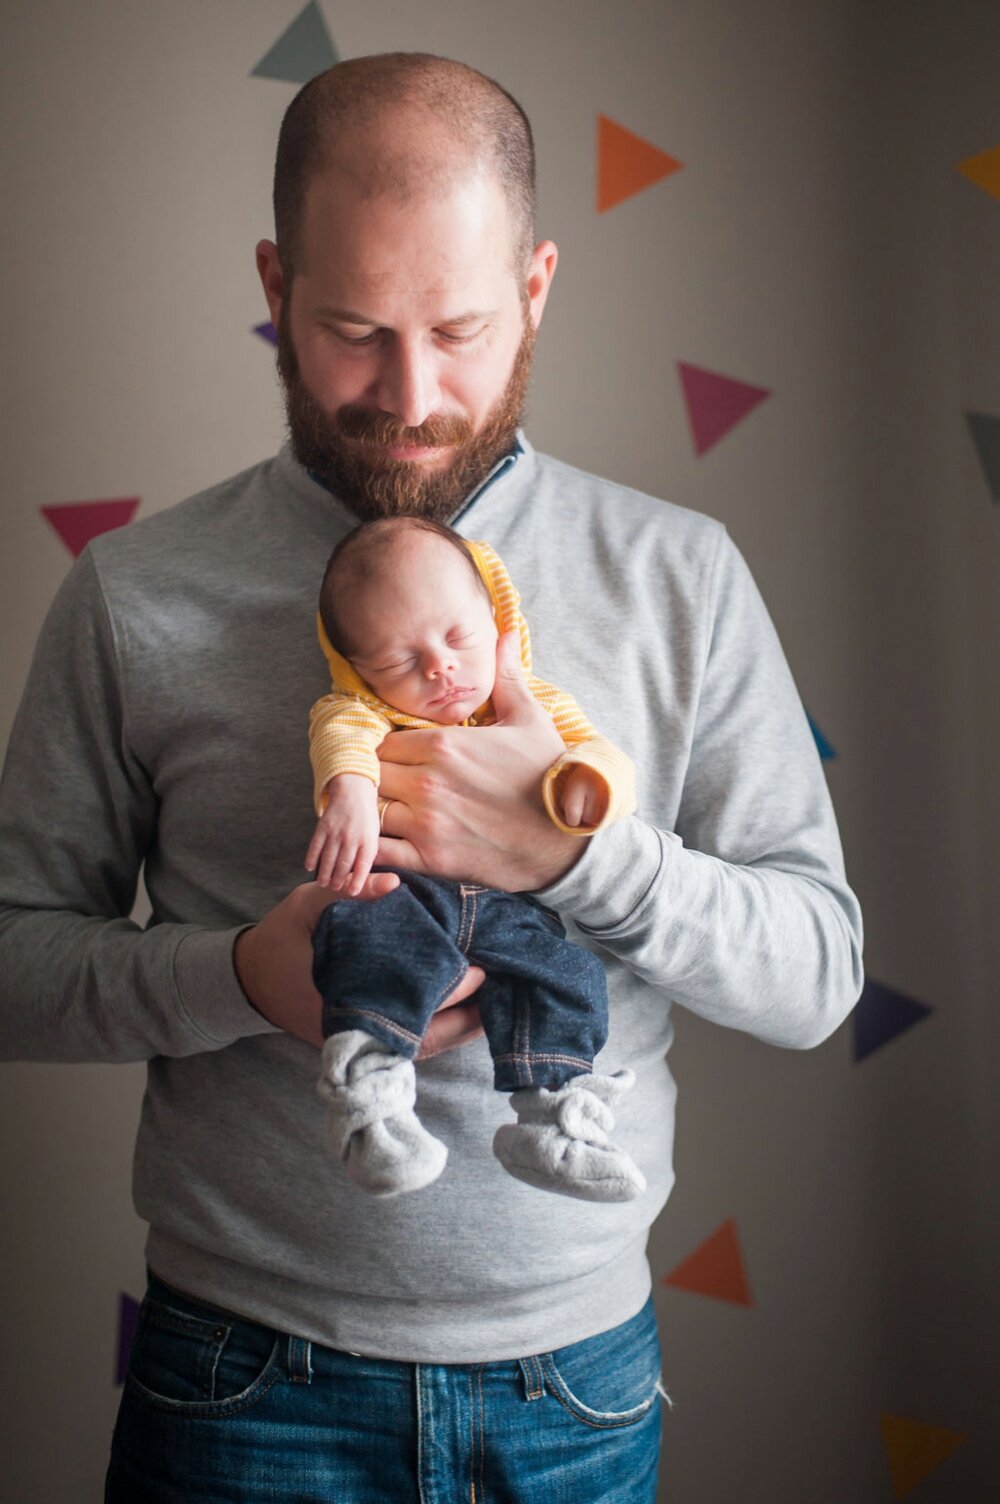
point(385, 966)
point(218, 1410)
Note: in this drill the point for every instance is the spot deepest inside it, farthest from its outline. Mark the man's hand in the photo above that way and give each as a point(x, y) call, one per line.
point(467, 800)
point(273, 962)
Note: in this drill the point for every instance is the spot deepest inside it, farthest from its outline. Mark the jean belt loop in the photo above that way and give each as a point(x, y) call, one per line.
point(531, 1373)
point(300, 1360)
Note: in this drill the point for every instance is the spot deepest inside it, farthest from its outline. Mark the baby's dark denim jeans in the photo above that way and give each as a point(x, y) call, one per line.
point(384, 965)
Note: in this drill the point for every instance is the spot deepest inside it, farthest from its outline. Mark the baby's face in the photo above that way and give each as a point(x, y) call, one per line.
point(426, 634)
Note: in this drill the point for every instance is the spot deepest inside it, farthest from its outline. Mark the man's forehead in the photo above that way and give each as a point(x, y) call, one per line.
point(456, 226)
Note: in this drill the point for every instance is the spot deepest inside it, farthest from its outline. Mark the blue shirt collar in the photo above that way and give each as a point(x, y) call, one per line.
point(500, 469)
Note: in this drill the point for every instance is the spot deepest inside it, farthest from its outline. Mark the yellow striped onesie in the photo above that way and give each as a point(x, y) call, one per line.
point(347, 725)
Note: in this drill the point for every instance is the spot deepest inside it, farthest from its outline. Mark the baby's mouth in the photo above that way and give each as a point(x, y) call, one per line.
point(457, 692)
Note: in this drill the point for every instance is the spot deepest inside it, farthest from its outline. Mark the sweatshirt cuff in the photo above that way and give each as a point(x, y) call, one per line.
point(611, 879)
point(209, 991)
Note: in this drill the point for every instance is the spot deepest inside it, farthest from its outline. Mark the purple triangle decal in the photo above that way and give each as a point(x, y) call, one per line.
point(128, 1320)
point(267, 331)
point(881, 1015)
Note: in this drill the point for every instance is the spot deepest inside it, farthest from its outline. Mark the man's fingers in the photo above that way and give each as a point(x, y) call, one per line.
point(456, 1020)
point(396, 853)
point(313, 899)
point(474, 978)
point(413, 747)
point(447, 1030)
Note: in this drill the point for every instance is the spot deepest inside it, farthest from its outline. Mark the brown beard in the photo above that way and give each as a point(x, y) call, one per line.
point(374, 486)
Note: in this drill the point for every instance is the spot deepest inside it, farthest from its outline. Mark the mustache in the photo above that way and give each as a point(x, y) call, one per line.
point(382, 429)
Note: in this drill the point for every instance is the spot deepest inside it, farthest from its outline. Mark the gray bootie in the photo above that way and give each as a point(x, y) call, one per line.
point(372, 1127)
point(561, 1140)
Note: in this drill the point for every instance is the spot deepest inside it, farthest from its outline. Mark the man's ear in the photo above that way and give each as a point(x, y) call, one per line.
point(272, 278)
point(541, 270)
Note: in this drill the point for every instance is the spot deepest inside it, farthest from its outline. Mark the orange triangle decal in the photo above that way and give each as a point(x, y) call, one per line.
point(626, 164)
point(915, 1449)
point(77, 522)
point(715, 1268)
point(983, 170)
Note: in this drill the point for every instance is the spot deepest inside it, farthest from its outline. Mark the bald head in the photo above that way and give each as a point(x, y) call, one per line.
point(403, 123)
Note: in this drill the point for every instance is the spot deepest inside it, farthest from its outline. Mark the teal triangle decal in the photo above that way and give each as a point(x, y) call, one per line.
point(826, 752)
point(304, 50)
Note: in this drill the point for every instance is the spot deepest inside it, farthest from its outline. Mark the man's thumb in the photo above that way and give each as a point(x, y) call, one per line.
point(511, 692)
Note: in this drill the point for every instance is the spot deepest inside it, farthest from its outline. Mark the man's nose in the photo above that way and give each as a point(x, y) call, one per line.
point(408, 383)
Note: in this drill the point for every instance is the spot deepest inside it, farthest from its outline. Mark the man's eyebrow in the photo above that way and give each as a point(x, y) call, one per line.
point(350, 316)
point(345, 316)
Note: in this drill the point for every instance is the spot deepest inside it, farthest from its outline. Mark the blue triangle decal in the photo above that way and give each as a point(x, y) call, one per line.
point(881, 1014)
point(304, 50)
point(267, 331)
point(128, 1320)
point(826, 752)
point(985, 430)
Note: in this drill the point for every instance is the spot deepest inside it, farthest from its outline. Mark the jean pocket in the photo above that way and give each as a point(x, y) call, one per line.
point(188, 1358)
point(610, 1380)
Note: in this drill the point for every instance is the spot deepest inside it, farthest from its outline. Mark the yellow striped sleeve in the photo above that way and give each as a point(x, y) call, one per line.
point(343, 734)
point(571, 723)
point(509, 617)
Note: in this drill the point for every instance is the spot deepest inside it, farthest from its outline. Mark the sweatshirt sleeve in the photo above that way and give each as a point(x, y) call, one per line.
point(742, 911)
point(78, 979)
point(344, 736)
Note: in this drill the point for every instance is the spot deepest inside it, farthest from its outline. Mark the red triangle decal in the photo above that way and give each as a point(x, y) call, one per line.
point(715, 403)
point(626, 164)
point(77, 522)
point(715, 1268)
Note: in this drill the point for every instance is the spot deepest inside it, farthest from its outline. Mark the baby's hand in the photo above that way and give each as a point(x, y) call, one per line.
point(345, 840)
point(583, 796)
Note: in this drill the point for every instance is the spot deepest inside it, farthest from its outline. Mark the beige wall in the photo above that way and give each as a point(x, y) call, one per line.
point(819, 243)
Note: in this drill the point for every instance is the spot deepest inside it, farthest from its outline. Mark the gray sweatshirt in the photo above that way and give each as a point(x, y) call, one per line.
point(164, 723)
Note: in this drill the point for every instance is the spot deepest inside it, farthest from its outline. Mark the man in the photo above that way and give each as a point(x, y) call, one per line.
point(299, 1340)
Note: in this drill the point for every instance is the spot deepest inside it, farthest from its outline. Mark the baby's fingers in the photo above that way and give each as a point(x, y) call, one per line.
point(316, 847)
point(574, 800)
point(362, 867)
point(326, 876)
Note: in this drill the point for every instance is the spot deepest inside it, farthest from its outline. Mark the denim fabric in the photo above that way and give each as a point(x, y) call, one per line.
point(218, 1410)
point(384, 967)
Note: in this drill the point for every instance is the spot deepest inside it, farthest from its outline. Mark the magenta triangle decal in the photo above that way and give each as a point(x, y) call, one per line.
point(77, 522)
point(715, 403)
